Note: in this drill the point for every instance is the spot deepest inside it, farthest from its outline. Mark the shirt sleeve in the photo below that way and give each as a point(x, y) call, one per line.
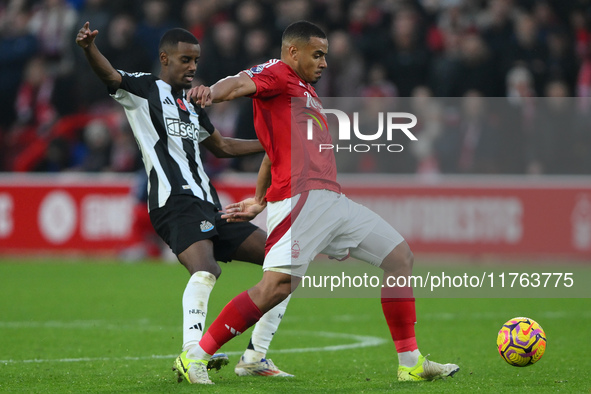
point(268, 79)
point(133, 85)
point(204, 124)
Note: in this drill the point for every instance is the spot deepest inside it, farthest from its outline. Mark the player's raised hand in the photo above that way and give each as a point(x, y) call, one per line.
point(243, 211)
point(85, 37)
point(200, 95)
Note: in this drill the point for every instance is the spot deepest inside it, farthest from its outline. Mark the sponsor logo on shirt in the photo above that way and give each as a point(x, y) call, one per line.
point(176, 128)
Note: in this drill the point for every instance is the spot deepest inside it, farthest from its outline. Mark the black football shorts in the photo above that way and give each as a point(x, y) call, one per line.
point(185, 219)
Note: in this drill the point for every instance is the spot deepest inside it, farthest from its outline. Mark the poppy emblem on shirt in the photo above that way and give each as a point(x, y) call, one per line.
point(181, 104)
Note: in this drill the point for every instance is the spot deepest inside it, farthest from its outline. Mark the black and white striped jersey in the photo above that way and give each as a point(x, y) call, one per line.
point(168, 130)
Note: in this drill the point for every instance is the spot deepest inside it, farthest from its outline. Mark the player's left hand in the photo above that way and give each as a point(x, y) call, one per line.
point(243, 211)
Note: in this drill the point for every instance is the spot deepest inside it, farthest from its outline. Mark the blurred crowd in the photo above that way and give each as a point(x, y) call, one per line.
point(525, 52)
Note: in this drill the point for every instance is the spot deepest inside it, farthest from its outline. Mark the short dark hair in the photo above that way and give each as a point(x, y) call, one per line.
point(302, 30)
point(176, 35)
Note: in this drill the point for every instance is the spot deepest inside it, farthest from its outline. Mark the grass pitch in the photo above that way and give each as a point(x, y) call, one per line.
point(102, 326)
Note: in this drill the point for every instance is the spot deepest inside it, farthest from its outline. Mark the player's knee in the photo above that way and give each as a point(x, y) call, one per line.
point(400, 259)
point(282, 291)
point(196, 265)
point(271, 290)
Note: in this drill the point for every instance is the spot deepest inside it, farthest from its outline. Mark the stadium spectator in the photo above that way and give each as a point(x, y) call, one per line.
point(155, 21)
point(17, 46)
point(561, 62)
point(224, 54)
point(406, 56)
point(198, 15)
point(257, 46)
point(52, 22)
point(345, 76)
point(56, 158)
point(34, 106)
point(529, 50)
point(554, 147)
point(477, 69)
point(429, 128)
point(93, 153)
point(471, 144)
point(446, 67)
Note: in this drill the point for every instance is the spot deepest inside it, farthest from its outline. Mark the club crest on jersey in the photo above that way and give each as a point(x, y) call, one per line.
point(295, 250)
point(206, 226)
point(312, 102)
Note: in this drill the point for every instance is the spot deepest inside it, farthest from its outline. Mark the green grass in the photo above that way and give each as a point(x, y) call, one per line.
point(100, 326)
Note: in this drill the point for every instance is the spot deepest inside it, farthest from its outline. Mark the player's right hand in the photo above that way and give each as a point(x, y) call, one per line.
point(200, 95)
point(85, 37)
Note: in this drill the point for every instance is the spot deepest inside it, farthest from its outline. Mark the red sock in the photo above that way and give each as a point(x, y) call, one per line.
point(401, 317)
point(236, 317)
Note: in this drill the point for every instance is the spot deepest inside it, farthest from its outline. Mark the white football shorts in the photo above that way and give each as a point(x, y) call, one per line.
point(322, 221)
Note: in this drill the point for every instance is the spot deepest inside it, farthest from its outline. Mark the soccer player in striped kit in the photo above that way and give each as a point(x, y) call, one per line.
point(183, 205)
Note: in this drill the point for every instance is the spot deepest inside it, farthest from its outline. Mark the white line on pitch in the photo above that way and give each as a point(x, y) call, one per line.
point(361, 341)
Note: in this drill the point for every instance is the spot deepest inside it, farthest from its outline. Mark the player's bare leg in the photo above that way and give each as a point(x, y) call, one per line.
point(398, 305)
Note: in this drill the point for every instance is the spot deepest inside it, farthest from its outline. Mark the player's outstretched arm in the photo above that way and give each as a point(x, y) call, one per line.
point(248, 209)
point(223, 147)
point(100, 65)
point(263, 181)
point(226, 89)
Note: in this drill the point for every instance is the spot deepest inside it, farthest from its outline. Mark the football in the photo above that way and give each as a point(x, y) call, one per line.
point(521, 342)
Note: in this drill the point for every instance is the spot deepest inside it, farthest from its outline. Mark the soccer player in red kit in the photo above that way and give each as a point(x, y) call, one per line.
point(297, 183)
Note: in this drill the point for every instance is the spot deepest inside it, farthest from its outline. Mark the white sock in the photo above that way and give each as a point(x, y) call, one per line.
point(409, 359)
point(195, 299)
point(196, 353)
point(263, 332)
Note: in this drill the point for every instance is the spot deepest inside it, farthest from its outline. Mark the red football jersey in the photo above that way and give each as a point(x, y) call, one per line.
point(282, 128)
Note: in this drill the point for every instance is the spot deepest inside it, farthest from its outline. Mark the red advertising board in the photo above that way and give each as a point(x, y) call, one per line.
point(505, 215)
point(65, 213)
point(517, 216)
